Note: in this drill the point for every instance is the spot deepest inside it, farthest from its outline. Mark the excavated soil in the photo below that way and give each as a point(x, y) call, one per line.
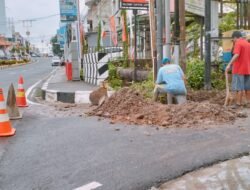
point(129, 106)
point(213, 97)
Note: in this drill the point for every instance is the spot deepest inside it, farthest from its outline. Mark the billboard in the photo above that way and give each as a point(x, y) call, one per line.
point(61, 36)
point(134, 4)
point(68, 10)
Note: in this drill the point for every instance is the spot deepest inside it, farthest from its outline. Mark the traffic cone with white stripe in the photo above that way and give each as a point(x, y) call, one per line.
point(20, 97)
point(5, 125)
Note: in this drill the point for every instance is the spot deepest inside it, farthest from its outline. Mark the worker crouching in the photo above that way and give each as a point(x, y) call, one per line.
point(171, 81)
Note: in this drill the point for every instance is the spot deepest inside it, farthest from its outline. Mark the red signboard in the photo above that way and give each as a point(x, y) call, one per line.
point(134, 4)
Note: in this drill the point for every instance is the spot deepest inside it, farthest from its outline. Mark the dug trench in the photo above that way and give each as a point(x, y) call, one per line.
point(203, 109)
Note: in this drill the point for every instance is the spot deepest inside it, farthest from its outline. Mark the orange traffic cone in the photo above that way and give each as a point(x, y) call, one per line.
point(21, 98)
point(5, 125)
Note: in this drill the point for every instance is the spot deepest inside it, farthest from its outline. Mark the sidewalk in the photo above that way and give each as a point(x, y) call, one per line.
point(232, 174)
point(58, 88)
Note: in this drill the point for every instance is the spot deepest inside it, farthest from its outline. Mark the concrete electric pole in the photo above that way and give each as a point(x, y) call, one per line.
point(159, 33)
point(167, 46)
point(177, 33)
point(153, 37)
point(182, 35)
point(207, 45)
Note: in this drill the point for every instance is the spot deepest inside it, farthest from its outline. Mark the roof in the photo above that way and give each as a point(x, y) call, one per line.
point(3, 42)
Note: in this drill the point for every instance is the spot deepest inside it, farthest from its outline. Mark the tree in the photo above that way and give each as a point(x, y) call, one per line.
point(228, 22)
point(56, 46)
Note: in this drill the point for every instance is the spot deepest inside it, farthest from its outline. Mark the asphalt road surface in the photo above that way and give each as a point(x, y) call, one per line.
point(31, 73)
point(66, 152)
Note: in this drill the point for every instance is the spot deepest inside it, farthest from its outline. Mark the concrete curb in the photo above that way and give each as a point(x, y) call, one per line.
point(78, 97)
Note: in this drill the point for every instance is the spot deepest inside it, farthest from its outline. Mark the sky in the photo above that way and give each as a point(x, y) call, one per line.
point(31, 9)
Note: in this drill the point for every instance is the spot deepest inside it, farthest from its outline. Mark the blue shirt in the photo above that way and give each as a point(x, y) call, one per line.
point(172, 77)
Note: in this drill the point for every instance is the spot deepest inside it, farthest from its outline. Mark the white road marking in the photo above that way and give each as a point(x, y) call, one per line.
point(90, 186)
point(32, 87)
point(30, 90)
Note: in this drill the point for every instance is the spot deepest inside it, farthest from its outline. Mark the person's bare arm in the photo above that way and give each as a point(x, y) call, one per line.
point(231, 62)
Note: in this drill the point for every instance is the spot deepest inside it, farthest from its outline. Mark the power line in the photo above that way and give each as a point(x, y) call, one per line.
point(31, 19)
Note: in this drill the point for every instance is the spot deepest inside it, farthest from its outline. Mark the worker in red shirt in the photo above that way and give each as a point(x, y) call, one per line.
point(241, 68)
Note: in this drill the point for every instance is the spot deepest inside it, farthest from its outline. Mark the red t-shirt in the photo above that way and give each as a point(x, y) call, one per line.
point(242, 65)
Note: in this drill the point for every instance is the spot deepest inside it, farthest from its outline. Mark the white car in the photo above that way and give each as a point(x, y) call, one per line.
point(56, 61)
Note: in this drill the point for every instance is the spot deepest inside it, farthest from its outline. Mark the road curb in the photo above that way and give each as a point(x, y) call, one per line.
point(78, 97)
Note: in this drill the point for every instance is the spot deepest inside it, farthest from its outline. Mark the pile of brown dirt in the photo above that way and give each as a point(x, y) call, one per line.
point(129, 106)
point(213, 97)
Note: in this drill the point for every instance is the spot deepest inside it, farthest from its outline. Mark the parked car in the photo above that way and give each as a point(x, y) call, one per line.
point(34, 55)
point(50, 55)
point(4, 58)
point(56, 61)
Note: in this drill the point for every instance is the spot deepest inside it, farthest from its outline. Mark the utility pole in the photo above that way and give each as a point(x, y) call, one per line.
point(182, 35)
point(207, 45)
point(153, 37)
point(167, 46)
point(177, 32)
point(135, 45)
point(201, 39)
point(159, 33)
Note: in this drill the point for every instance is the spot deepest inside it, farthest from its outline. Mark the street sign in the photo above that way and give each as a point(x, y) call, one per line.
point(68, 10)
point(134, 4)
point(61, 35)
point(196, 7)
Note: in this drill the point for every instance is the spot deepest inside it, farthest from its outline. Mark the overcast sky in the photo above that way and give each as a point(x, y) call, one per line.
point(30, 9)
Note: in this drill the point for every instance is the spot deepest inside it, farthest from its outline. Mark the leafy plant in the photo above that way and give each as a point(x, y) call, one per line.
point(114, 81)
point(81, 74)
point(146, 87)
point(55, 46)
point(195, 76)
point(195, 73)
point(228, 22)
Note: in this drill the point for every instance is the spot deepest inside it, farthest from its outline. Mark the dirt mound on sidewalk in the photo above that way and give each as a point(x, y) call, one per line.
point(129, 106)
point(213, 97)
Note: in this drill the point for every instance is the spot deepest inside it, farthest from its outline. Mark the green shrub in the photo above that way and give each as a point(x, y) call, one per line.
point(81, 74)
point(146, 87)
point(7, 62)
point(114, 81)
point(20, 61)
point(195, 76)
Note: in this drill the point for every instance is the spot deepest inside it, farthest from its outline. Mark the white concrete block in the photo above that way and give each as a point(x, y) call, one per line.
point(51, 96)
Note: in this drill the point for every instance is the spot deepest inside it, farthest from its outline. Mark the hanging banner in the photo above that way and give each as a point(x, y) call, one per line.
point(68, 10)
point(134, 4)
point(113, 30)
point(124, 36)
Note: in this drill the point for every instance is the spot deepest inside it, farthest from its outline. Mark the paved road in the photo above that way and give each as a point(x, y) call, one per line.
point(68, 152)
point(54, 152)
point(31, 72)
